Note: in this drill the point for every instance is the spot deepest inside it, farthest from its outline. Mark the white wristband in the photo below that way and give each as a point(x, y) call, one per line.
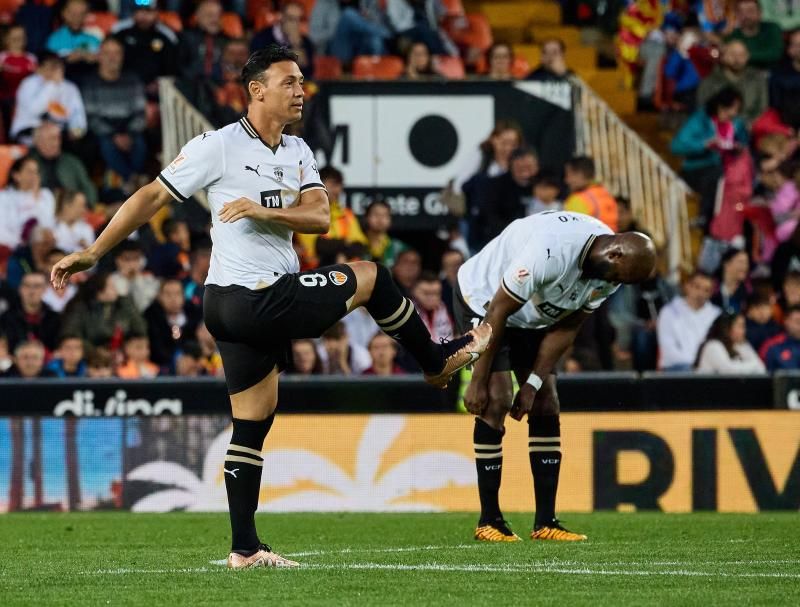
point(535, 381)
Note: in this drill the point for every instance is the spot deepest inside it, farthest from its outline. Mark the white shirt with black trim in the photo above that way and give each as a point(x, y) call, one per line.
point(233, 162)
point(538, 262)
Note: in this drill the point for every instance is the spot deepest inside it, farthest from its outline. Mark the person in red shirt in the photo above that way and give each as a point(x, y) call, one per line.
point(15, 65)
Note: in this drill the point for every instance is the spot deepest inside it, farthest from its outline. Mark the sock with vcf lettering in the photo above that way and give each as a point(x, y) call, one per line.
point(544, 449)
point(488, 444)
point(242, 471)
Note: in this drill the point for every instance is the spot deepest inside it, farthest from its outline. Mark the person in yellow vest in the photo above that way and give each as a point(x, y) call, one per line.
point(345, 228)
point(586, 195)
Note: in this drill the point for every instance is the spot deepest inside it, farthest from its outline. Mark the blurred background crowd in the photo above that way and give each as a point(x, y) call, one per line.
point(79, 128)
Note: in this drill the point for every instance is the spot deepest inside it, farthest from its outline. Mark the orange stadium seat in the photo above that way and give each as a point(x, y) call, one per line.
point(172, 20)
point(101, 21)
point(375, 67)
point(453, 8)
point(327, 68)
point(265, 18)
point(232, 25)
point(476, 34)
point(451, 68)
point(8, 155)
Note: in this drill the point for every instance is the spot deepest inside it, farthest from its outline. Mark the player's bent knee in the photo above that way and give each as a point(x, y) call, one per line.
point(257, 402)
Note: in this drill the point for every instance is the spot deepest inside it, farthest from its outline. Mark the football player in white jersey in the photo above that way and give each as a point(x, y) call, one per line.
point(262, 186)
point(535, 284)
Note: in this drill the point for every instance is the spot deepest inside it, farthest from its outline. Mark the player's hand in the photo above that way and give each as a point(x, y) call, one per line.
point(239, 209)
point(69, 265)
point(476, 398)
point(523, 402)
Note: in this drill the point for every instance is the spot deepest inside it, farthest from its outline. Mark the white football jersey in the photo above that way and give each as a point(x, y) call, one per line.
point(537, 261)
point(233, 162)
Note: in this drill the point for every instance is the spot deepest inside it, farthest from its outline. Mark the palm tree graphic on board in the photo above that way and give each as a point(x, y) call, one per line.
point(321, 484)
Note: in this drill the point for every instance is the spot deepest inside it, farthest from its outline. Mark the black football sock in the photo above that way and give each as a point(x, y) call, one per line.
point(243, 464)
point(544, 446)
point(489, 462)
point(398, 318)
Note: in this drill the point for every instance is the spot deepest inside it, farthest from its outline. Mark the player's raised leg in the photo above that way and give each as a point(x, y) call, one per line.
point(544, 450)
point(488, 443)
point(397, 317)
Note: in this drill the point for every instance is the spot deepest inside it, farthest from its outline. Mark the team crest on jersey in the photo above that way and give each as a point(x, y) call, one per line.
point(521, 276)
point(337, 278)
point(179, 160)
point(278, 171)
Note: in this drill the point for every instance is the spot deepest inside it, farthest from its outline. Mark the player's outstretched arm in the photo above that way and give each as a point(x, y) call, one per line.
point(312, 215)
point(476, 398)
point(554, 345)
point(135, 212)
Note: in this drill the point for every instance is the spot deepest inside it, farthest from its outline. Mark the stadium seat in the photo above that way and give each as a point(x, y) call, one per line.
point(376, 67)
point(8, 155)
point(265, 18)
point(453, 8)
point(101, 21)
point(476, 34)
point(327, 68)
point(232, 25)
point(172, 20)
point(451, 68)
point(529, 52)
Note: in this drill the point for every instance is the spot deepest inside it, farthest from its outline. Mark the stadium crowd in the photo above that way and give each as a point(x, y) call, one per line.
point(81, 96)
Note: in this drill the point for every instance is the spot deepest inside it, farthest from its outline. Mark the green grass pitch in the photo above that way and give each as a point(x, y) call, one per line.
point(400, 559)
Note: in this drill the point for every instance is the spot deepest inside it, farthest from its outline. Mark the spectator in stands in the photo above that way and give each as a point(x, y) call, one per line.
point(58, 298)
point(130, 278)
point(546, 190)
point(383, 352)
point(29, 359)
point(6, 360)
point(679, 68)
point(500, 59)
point(68, 361)
point(339, 356)
point(684, 322)
point(726, 350)
point(626, 220)
point(59, 169)
point(785, 204)
point(230, 96)
point(151, 48)
point(731, 292)
point(419, 63)
point(100, 315)
point(194, 285)
point(212, 360)
point(593, 348)
point(316, 250)
point(287, 32)
point(24, 200)
point(587, 195)
point(72, 42)
point(15, 65)
point(789, 295)
point(786, 259)
point(707, 134)
point(759, 323)
point(784, 83)
point(31, 318)
point(348, 28)
point(507, 197)
point(170, 323)
point(553, 66)
point(46, 95)
point(33, 257)
point(171, 259)
point(115, 107)
point(305, 360)
point(734, 71)
point(99, 364)
point(406, 271)
point(427, 295)
point(137, 363)
point(492, 158)
point(418, 21)
point(189, 361)
point(763, 39)
point(782, 352)
point(452, 260)
point(71, 231)
point(201, 46)
point(378, 221)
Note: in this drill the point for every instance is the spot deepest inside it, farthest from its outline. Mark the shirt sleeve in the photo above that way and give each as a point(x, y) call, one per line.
point(199, 164)
point(309, 174)
point(529, 272)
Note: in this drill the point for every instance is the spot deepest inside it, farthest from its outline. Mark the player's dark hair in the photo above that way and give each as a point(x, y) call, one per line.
point(260, 61)
point(331, 173)
point(583, 165)
point(726, 97)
